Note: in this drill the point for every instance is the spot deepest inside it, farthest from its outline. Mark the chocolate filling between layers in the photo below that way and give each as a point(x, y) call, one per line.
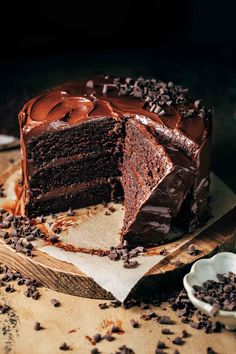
point(76, 196)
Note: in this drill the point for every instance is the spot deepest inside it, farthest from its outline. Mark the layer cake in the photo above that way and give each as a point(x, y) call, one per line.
point(144, 141)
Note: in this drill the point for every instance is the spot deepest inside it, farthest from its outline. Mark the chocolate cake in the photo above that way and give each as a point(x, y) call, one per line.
point(87, 142)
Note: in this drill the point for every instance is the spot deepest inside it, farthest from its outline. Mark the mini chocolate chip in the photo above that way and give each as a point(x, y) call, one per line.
point(10, 289)
point(166, 331)
point(185, 334)
point(20, 282)
point(28, 282)
point(54, 239)
point(210, 350)
point(30, 238)
point(148, 315)
point(29, 246)
point(103, 306)
point(70, 212)
point(192, 250)
point(55, 302)
point(64, 347)
point(97, 337)
point(115, 329)
point(4, 225)
point(94, 351)
point(9, 218)
point(134, 323)
point(151, 313)
point(161, 345)
point(112, 209)
point(35, 295)
point(194, 325)
point(163, 252)
point(4, 309)
point(37, 326)
point(130, 264)
point(165, 320)
point(124, 350)
point(4, 234)
point(109, 337)
point(178, 341)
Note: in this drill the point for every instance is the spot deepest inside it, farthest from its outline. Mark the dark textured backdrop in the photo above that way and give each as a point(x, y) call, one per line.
point(189, 42)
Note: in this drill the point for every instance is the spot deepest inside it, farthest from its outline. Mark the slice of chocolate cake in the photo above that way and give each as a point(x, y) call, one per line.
point(80, 140)
point(156, 179)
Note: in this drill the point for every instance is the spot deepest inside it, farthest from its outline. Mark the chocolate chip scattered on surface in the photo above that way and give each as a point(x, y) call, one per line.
point(165, 320)
point(97, 337)
point(115, 329)
point(54, 239)
point(210, 351)
point(55, 302)
point(103, 306)
point(161, 345)
point(192, 250)
point(185, 334)
point(178, 341)
point(64, 347)
point(37, 326)
point(70, 212)
point(109, 337)
point(124, 350)
point(94, 351)
point(134, 323)
point(166, 331)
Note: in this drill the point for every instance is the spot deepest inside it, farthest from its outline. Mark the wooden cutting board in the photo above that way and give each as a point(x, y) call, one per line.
point(80, 317)
point(64, 277)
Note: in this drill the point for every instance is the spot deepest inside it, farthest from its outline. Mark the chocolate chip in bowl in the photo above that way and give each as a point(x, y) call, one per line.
point(211, 287)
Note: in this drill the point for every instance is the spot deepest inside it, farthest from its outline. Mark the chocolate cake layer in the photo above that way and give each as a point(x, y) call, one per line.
point(75, 196)
point(84, 138)
point(74, 170)
point(78, 132)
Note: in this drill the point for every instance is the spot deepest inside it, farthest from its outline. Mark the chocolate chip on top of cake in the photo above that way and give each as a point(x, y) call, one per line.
point(144, 141)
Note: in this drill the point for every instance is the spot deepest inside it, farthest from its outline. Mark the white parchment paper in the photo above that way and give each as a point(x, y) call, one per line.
point(92, 228)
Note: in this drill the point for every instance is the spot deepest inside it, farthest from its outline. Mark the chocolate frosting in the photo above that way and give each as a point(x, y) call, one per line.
point(164, 109)
point(78, 101)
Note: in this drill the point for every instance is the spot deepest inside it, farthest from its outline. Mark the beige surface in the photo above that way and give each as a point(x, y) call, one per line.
point(85, 317)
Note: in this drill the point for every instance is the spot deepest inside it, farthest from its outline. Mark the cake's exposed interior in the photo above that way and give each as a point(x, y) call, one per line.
point(88, 142)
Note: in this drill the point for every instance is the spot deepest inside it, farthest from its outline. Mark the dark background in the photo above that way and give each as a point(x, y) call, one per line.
point(193, 43)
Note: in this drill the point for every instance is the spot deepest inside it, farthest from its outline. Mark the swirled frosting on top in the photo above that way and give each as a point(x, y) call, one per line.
point(154, 103)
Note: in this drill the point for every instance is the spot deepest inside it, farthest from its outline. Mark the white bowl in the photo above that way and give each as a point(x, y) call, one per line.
point(207, 269)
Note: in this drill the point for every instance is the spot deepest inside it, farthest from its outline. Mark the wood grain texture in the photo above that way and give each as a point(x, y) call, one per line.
point(64, 277)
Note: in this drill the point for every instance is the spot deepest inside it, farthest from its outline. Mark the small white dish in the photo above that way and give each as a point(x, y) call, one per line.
point(8, 142)
point(207, 269)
